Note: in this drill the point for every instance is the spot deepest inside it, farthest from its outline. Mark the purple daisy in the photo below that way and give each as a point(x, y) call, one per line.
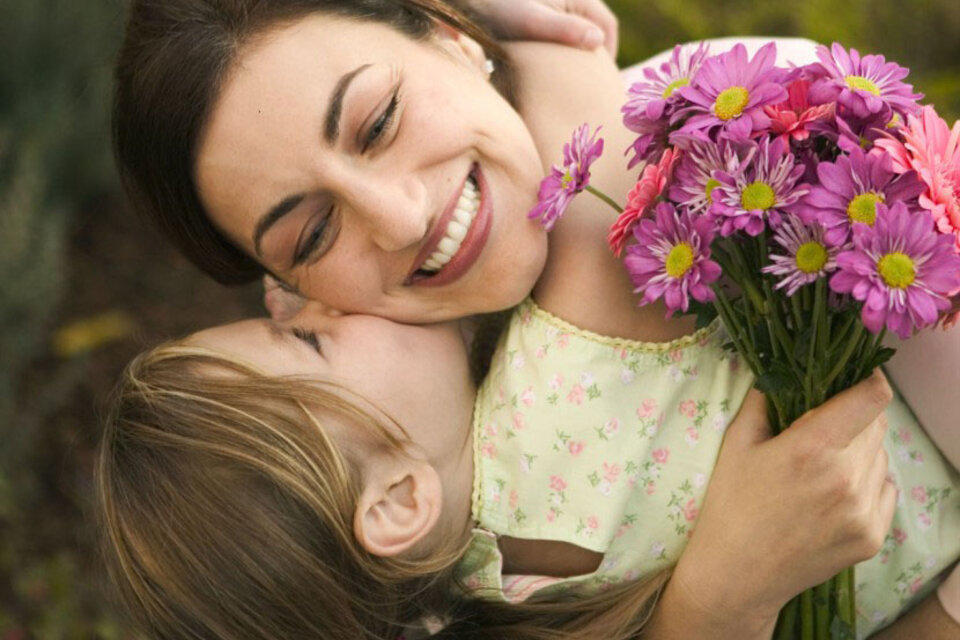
point(901, 269)
point(671, 258)
point(730, 92)
point(850, 188)
point(694, 181)
point(866, 85)
point(651, 104)
point(649, 100)
point(566, 181)
point(808, 257)
point(761, 189)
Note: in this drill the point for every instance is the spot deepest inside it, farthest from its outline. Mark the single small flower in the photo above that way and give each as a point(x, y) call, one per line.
point(808, 257)
point(730, 91)
point(791, 119)
point(651, 104)
point(694, 179)
point(900, 268)
point(671, 258)
point(850, 190)
point(932, 150)
point(866, 85)
point(650, 99)
point(652, 184)
point(565, 181)
point(762, 189)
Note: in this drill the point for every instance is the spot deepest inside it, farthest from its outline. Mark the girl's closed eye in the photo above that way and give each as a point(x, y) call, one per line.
point(310, 337)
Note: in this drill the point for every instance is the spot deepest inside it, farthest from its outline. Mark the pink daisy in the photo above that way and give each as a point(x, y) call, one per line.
point(850, 189)
point(671, 258)
point(730, 91)
point(808, 257)
point(564, 182)
point(900, 268)
point(762, 188)
point(694, 181)
point(933, 151)
point(866, 86)
point(653, 182)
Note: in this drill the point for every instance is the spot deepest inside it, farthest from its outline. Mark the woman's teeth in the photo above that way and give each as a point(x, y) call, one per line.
point(463, 216)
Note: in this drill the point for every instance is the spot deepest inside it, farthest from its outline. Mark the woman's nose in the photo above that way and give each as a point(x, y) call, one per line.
point(395, 213)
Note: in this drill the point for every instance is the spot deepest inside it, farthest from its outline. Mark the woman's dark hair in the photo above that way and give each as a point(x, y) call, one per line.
point(171, 66)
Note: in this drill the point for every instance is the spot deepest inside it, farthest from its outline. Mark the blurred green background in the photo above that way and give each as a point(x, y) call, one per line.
point(84, 285)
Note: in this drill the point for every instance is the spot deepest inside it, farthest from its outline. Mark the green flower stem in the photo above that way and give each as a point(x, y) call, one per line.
point(610, 201)
point(844, 582)
point(821, 607)
point(728, 315)
point(852, 344)
point(795, 305)
point(787, 624)
point(806, 615)
point(774, 315)
point(812, 400)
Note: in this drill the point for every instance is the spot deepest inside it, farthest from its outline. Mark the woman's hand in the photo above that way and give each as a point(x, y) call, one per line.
point(782, 514)
point(577, 23)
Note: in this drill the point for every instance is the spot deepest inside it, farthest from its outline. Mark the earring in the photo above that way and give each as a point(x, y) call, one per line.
point(488, 66)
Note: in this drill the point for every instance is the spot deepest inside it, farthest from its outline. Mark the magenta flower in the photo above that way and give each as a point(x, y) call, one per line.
point(808, 257)
point(932, 149)
point(901, 269)
point(762, 188)
point(650, 105)
point(564, 182)
point(694, 179)
point(866, 86)
point(730, 91)
point(671, 258)
point(850, 189)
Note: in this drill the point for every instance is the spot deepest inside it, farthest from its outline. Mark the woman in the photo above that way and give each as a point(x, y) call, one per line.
point(256, 157)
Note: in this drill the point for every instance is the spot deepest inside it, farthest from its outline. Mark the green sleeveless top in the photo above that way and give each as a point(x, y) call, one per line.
point(608, 444)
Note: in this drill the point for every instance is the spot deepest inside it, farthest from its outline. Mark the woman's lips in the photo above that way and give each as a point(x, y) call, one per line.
point(470, 248)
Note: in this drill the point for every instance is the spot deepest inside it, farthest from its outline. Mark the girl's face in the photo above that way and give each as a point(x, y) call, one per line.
point(375, 173)
point(417, 375)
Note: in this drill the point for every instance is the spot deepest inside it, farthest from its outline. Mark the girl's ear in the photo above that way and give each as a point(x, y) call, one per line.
point(461, 45)
point(398, 507)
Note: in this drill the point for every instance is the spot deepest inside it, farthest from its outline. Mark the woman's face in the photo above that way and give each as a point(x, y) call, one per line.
point(375, 173)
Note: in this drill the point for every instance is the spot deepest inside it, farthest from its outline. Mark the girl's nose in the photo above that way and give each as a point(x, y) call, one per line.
point(395, 213)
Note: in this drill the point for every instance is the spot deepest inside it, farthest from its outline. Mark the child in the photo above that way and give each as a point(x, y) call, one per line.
point(252, 430)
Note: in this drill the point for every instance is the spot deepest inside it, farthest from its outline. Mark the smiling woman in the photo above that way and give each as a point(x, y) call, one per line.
point(326, 152)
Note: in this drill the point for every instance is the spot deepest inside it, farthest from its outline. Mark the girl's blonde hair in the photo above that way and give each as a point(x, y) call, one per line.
point(226, 511)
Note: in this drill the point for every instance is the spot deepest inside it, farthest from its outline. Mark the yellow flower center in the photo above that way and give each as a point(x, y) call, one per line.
point(811, 256)
point(679, 260)
point(863, 84)
point(897, 270)
point(758, 195)
point(863, 208)
point(566, 179)
point(712, 184)
point(673, 86)
point(731, 102)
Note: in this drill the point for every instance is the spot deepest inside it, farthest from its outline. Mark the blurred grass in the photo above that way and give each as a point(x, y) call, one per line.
point(72, 256)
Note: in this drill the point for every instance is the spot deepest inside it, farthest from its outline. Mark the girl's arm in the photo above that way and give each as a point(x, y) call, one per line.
point(760, 538)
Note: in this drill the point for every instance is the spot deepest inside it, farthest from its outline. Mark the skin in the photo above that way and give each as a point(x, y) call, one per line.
point(578, 23)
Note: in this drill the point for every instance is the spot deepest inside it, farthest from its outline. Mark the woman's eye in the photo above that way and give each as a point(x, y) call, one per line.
point(309, 337)
point(382, 123)
point(312, 241)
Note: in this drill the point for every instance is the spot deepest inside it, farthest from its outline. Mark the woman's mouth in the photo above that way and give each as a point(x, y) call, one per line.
point(459, 237)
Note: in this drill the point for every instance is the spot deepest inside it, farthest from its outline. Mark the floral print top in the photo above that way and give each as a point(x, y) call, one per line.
point(608, 444)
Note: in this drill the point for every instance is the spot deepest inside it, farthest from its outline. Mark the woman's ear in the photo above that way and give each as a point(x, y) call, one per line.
point(399, 506)
point(461, 45)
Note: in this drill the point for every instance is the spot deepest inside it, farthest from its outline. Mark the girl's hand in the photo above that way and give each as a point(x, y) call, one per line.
point(578, 23)
point(784, 513)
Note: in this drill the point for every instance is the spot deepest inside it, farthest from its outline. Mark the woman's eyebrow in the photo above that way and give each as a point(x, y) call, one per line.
point(331, 131)
point(331, 127)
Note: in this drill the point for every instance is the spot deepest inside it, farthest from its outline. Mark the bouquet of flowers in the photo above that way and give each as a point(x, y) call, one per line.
point(812, 208)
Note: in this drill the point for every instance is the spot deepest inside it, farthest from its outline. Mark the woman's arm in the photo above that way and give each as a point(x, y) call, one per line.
point(780, 515)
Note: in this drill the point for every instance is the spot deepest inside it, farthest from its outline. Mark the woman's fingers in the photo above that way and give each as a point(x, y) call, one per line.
point(849, 413)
